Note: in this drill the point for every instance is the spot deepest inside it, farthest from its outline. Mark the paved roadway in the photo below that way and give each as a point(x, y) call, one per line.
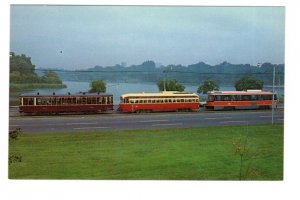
point(70, 123)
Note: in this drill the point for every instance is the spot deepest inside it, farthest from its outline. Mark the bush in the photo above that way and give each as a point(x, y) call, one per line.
point(14, 158)
point(14, 134)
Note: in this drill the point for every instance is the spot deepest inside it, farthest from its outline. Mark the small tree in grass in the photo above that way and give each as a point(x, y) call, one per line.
point(246, 170)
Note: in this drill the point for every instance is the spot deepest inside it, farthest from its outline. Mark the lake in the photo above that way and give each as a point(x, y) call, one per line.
point(117, 89)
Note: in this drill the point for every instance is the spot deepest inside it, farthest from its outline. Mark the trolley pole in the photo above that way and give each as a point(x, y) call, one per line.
point(273, 95)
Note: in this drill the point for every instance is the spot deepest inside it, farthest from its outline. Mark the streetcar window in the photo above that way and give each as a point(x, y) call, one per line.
point(217, 98)
point(28, 101)
point(38, 101)
point(88, 100)
point(25, 101)
point(94, 100)
point(83, 100)
point(267, 97)
point(225, 98)
point(108, 100)
point(254, 97)
point(246, 97)
point(99, 100)
point(210, 98)
point(58, 101)
point(45, 101)
point(51, 101)
point(78, 100)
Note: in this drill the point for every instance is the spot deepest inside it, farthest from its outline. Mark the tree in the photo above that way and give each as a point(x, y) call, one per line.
point(247, 83)
point(208, 85)
point(170, 85)
point(51, 77)
point(247, 171)
point(97, 86)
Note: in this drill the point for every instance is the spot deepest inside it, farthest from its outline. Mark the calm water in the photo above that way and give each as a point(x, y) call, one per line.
point(117, 89)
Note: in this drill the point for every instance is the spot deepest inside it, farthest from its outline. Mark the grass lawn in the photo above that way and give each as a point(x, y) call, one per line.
point(165, 154)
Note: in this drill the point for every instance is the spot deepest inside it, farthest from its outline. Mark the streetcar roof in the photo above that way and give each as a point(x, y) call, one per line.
point(249, 92)
point(161, 94)
point(65, 95)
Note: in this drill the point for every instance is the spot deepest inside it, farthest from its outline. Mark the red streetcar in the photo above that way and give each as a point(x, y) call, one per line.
point(159, 102)
point(250, 99)
point(69, 103)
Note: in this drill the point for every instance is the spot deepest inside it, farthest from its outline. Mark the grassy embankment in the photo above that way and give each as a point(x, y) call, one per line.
point(169, 154)
point(17, 89)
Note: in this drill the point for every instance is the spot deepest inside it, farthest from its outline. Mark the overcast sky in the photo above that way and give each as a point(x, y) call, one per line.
point(78, 37)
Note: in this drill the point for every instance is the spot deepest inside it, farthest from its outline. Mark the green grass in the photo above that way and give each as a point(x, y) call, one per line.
point(169, 154)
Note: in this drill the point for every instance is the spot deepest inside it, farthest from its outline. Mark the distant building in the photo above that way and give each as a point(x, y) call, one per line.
point(259, 64)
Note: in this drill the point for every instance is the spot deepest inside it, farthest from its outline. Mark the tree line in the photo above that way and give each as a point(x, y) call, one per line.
point(245, 83)
point(23, 71)
point(149, 71)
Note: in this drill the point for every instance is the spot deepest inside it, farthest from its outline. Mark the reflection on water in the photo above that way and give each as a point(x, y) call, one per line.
point(117, 89)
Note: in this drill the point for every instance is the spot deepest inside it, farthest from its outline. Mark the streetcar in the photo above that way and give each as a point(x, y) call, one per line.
point(66, 103)
point(250, 99)
point(159, 102)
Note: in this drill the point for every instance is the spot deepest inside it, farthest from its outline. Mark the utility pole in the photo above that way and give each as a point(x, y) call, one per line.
point(165, 76)
point(273, 95)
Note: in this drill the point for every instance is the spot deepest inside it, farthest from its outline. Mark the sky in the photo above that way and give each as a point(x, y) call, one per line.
point(80, 37)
